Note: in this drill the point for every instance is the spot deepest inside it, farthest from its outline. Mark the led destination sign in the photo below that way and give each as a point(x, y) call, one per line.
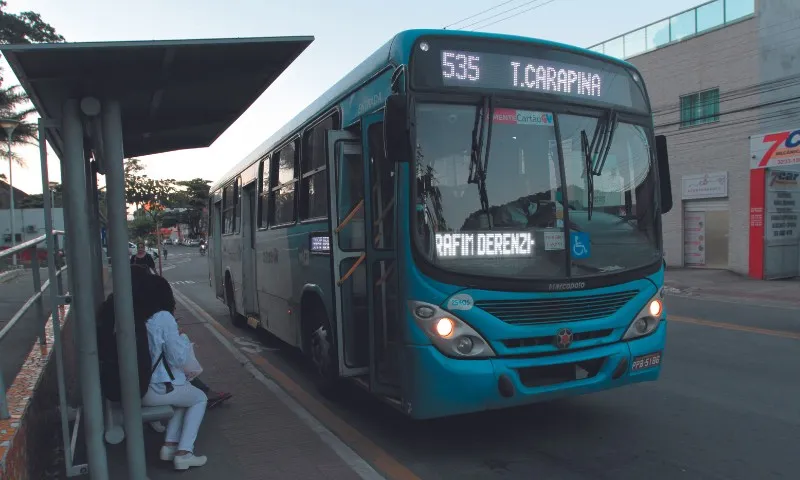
point(464, 68)
point(537, 70)
point(484, 245)
point(507, 72)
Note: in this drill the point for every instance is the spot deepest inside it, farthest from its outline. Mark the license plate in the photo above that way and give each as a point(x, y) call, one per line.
point(646, 361)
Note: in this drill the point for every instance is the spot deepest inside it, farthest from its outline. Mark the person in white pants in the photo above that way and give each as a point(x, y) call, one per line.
point(169, 349)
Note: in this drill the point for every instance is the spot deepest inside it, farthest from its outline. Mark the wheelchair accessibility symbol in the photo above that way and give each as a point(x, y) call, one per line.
point(579, 243)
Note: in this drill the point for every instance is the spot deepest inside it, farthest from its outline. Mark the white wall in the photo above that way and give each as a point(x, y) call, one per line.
point(23, 218)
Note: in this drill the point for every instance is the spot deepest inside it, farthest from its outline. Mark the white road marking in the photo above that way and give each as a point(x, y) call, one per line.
point(351, 458)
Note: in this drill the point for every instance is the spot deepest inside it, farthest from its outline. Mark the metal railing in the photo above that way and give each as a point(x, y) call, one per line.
point(36, 299)
point(684, 25)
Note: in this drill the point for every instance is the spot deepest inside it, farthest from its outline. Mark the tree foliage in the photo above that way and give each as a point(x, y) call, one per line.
point(23, 27)
point(194, 198)
point(167, 202)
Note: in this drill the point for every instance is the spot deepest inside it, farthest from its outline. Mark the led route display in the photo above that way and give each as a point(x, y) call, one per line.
point(484, 245)
point(494, 71)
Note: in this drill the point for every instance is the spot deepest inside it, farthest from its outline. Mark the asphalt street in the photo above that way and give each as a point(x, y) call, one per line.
point(16, 345)
point(725, 407)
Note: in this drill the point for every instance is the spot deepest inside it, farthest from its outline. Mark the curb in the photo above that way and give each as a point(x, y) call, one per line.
point(6, 277)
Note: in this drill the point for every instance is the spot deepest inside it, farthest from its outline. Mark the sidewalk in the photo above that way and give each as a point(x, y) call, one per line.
point(254, 435)
point(732, 286)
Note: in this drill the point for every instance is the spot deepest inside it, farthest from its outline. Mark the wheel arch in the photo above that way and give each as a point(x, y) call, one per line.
point(312, 300)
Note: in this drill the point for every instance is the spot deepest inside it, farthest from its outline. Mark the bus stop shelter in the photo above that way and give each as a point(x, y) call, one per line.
point(100, 103)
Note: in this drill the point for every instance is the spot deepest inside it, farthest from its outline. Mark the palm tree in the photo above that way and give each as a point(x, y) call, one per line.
point(15, 104)
point(23, 27)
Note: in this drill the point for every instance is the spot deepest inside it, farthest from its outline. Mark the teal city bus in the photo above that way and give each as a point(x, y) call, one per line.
point(465, 222)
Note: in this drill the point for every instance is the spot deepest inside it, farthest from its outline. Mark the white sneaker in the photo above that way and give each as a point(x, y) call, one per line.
point(183, 462)
point(167, 452)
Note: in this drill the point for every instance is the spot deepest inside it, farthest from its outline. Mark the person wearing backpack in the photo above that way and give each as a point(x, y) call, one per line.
point(169, 349)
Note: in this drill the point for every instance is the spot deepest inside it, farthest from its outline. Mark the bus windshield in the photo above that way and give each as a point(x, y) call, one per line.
point(521, 234)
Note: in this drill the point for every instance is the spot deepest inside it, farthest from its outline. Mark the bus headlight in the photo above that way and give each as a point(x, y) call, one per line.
point(451, 335)
point(648, 318)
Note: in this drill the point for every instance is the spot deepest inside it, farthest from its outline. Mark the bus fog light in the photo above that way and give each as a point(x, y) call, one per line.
point(449, 334)
point(640, 325)
point(464, 345)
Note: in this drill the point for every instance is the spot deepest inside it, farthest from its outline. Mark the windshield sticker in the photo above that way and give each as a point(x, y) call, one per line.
point(554, 240)
point(484, 245)
point(579, 244)
point(512, 116)
point(462, 301)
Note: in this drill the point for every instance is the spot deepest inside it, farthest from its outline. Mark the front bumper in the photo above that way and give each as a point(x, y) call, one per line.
point(440, 386)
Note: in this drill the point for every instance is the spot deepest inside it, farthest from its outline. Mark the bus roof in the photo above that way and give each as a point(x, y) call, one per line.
point(396, 51)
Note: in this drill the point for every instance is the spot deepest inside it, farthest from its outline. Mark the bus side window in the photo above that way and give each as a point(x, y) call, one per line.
point(383, 195)
point(265, 212)
point(314, 186)
point(229, 208)
point(286, 158)
point(237, 207)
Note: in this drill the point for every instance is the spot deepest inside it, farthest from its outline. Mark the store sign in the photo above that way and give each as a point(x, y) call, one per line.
point(782, 202)
point(706, 185)
point(775, 149)
point(783, 206)
point(783, 227)
point(781, 180)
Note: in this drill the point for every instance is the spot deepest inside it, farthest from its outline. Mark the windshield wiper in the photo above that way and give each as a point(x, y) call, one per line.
point(596, 152)
point(478, 165)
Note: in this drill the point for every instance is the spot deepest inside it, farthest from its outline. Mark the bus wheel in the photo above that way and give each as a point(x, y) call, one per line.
point(236, 319)
point(323, 354)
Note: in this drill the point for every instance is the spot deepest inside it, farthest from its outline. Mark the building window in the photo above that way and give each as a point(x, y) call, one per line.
point(314, 189)
point(285, 212)
point(265, 193)
point(700, 108)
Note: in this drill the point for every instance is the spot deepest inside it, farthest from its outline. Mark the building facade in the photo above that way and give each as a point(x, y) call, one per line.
point(724, 82)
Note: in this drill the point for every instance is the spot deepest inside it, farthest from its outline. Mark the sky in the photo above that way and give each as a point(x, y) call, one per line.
point(345, 32)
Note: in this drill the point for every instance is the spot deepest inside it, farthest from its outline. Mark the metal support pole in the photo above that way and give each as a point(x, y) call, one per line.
point(37, 286)
point(94, 222)
point(123, 298)
point(55, 249)
point(3, 402)
point(11, 194)
point(73, 174)
point(55, 291)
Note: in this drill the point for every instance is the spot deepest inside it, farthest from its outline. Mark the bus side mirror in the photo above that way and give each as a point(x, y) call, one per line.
point(396, 136)
point(662, 157)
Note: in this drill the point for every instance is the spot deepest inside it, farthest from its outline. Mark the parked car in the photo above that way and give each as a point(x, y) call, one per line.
point(152, 251)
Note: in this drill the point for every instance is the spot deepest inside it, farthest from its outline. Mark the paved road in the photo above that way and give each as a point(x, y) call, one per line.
point(16, 345)
point(726, 407)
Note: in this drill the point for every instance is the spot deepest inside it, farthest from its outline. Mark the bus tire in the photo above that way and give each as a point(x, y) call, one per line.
point(236, 319)
point(322, 350)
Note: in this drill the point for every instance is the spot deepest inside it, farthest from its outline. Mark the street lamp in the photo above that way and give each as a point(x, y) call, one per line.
point(9, 125)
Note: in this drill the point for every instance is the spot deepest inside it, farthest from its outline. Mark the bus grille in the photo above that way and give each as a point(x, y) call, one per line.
point(552, 310)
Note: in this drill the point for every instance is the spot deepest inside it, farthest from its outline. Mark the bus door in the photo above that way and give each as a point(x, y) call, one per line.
point(216, 248)
point(346, 191)
point(249, 300)
point(382, 286)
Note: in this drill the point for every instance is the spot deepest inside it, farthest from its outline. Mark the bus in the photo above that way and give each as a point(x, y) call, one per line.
point(464, 222)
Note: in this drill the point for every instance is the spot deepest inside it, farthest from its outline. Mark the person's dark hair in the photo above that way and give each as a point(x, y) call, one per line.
point(152, 294)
